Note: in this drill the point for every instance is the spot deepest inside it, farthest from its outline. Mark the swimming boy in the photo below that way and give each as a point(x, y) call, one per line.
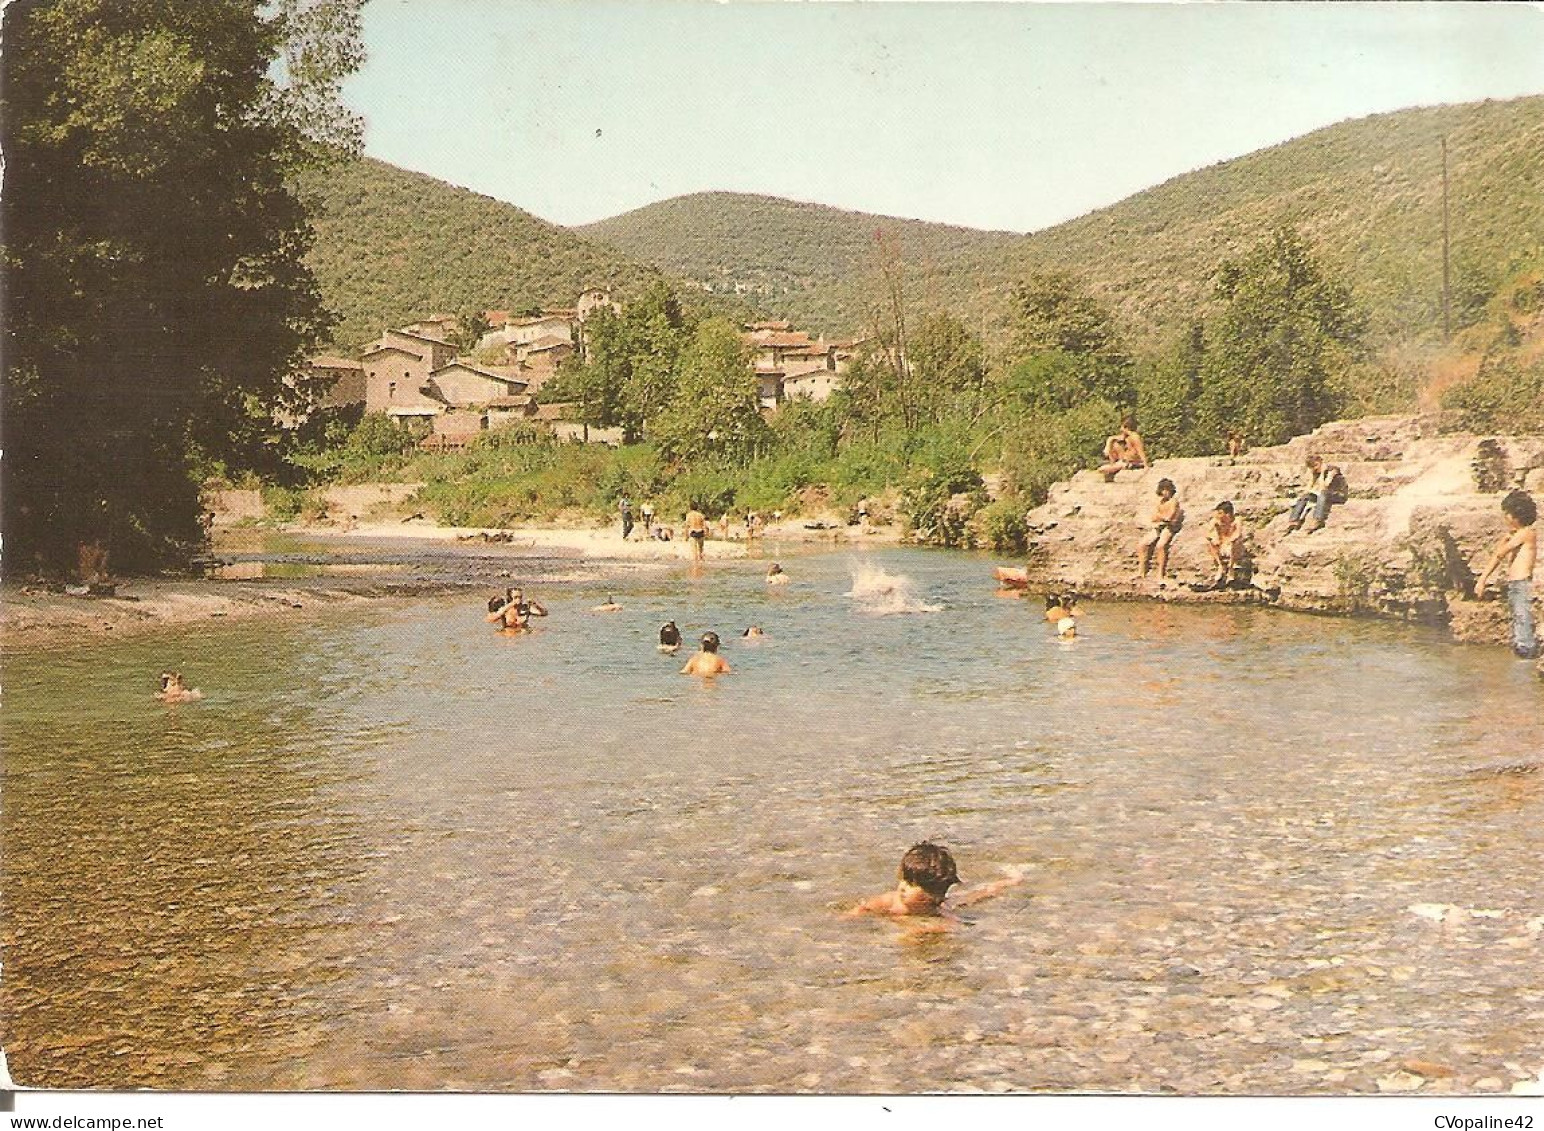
point(1225, 540)
point(1164, 525)
point(669, 637)
point(776, 576)
point(927, 873)
point(173, 690)
point(1519, 548)
point(707, 661)
point(515, 614)
point(609, 607)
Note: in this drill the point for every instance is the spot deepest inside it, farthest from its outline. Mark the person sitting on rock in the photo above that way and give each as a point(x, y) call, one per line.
point(1237, 445)
point(1225, 540)
point(1123, 451)
point(1168, 517)
point(1326, 485)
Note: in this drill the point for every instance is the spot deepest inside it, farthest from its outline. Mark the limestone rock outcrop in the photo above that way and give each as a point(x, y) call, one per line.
point(1423, 512)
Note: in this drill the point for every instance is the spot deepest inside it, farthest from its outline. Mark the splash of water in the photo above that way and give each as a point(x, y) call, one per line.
point(882, 593)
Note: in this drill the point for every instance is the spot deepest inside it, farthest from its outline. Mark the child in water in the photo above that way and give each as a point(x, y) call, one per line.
point(173, 690)
point(707, 661)
point(927, 873)
point(669, 637)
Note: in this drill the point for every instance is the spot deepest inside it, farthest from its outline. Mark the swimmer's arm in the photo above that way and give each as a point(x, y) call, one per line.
point(497, 614)
point(877, 905)
point(986, 891)
point(538, 609)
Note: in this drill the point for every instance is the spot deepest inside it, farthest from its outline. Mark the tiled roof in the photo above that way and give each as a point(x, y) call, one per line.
point(547, 342)
point(393, 349)
point(327, 362)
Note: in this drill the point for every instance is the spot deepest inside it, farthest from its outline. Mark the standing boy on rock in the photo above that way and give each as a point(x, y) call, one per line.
point(1521, 549)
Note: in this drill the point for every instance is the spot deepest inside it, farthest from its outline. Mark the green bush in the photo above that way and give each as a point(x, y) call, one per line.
point(1503, 396)
point(999, 526)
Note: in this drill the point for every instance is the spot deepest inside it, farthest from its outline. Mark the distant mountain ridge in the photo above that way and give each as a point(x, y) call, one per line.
point(1366, 192)
point(393, 245)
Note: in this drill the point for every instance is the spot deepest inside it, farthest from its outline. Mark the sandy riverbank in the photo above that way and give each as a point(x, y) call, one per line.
point(32, 616)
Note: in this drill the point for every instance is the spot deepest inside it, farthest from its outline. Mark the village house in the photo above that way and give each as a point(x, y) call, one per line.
point(789, 363)
point(341, 380)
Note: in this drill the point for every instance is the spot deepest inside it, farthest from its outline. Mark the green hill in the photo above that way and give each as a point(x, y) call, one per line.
point(394, 245)
point(1368, 193)
point(809, 261)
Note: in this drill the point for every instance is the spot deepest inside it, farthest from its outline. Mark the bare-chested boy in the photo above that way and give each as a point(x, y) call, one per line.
point(707, 661)
point(1520, 548)
point(696, 531)
point(927, 873)
point(515, 614)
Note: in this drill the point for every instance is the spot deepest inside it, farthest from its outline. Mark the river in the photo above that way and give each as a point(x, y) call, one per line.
point(392, 849)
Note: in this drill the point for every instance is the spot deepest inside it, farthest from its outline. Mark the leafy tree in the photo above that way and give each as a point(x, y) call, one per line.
point(471, 324)
point(1287, 327)
point(946, 361)
point(156, 287)
point(1054, 315)
point(717, 411)
point(1168, 391)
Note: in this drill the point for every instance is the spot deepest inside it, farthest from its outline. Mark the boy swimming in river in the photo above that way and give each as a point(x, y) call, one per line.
point(927, 873)
point(173, 690)
point(707, 661)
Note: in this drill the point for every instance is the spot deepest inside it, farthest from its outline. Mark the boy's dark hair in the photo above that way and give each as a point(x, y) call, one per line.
point(1520, 505)
point(1226, 507)
point(1052, 600)
point(1129, 423)
point(710, 642)
point(1169, 483)
point(1069, 599)
point(930, 867)
point(669, 633)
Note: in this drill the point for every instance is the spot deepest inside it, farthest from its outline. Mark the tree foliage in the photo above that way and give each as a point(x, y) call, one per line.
point(716, 412)
point(1068, 346)
point(157, 294)
point(1287, 327)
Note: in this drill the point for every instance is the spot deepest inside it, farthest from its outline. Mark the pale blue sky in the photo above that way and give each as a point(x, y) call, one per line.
point(1012, 115)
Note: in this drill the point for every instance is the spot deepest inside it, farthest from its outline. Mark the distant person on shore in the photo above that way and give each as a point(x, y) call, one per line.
point(707, 662)
point(1237, 445)
point(1123, 451)
point(696, 531)
point(626, 507)
point(669, 637)
point(775, 575)
point(927, 873)
point(515, 613)
point(609, 607)
point(1520, 549)
point(1168, 518)
point(1326, 485)
point(1225, 541)
point(647, 511)
point(173, 690)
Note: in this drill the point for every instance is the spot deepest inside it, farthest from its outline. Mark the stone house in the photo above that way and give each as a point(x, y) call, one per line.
point(344, 381)
point(393, 377)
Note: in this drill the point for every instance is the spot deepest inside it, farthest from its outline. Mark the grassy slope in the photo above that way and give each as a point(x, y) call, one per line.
point(394, 245)
point(1367, 192)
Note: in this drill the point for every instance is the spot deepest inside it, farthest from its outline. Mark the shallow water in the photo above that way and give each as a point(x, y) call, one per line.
point(394, 849)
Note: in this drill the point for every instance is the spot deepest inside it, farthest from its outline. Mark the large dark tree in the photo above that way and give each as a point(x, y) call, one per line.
point(156, 294)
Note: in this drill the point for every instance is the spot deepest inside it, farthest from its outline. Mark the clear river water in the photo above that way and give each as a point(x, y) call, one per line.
point(393, 849)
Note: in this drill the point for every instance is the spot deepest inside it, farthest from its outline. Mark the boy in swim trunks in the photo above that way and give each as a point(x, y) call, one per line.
point(696, 531)
point(1165, 523)
point(1123, 451)
point(927, 873)
point(1225, 540)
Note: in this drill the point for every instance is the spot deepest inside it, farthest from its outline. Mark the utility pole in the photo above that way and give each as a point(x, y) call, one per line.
point(1447, 318)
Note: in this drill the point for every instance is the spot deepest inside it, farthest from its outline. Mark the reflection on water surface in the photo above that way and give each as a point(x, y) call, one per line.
point(393, 849)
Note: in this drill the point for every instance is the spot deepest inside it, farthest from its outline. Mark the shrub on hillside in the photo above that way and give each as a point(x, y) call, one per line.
point(1504, 396)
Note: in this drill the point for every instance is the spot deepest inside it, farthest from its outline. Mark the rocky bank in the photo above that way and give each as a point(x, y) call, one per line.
point(1423, 513)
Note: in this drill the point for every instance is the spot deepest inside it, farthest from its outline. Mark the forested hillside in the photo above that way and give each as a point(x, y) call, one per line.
point(394, 245)
point(1367, 193)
